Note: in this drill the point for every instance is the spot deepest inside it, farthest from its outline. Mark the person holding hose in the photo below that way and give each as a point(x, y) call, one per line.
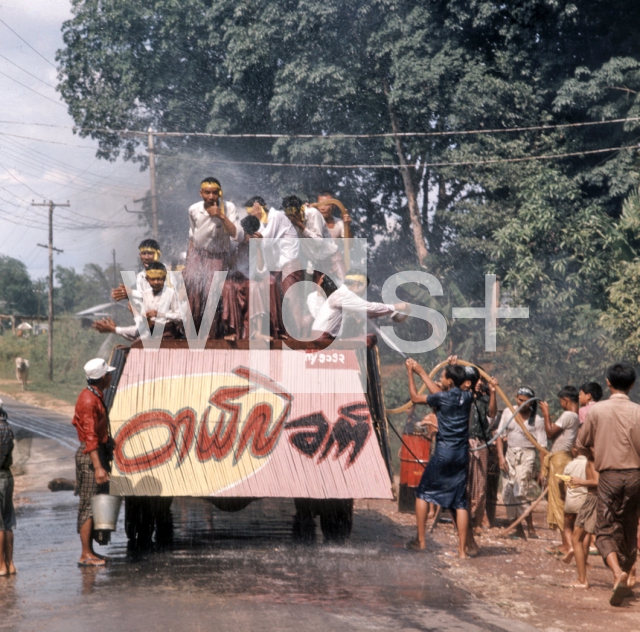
point(444, 481)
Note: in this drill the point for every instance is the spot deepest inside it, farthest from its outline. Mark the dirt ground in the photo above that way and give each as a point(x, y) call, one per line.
point(526, 582)
point(34, 398)
point(514, 577)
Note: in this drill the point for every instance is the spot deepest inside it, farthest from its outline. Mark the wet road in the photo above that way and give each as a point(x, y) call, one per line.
point(225, 571)
point(41, 422)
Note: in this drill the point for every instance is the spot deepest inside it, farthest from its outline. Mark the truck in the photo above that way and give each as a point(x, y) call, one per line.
point(231, 423)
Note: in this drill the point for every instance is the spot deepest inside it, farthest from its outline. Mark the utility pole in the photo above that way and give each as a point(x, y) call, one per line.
point(50, 247)
point(152, 174)
point(115, 274)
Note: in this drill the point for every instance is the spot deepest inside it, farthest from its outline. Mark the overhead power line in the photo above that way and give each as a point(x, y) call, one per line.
point(465, 163)
point(29, 45)
point(13, 63)
point(24, 85)
point(46, 140)
point(499, 130)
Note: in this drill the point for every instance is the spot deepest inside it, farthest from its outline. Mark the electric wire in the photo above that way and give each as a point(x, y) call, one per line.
point(499, 130)
point(13, 63)
point(29, 45)
point(24, 85)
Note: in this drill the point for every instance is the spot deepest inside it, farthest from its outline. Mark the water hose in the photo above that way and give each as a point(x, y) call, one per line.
point(543, 451)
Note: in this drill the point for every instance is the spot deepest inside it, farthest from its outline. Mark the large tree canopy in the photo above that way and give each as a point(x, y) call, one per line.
point(550, 228)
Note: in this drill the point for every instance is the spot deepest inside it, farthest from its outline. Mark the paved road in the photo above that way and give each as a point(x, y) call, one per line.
point(225, 571)
point(41, 422)
point(232, 572)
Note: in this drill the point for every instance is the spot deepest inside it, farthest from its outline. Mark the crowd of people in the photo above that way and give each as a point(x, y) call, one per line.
point(260, 297)
point(587, 462)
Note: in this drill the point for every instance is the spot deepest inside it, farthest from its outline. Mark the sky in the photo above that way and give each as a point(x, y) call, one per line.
point(42, 159)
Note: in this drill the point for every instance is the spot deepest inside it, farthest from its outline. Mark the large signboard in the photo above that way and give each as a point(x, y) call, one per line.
point(225, 422)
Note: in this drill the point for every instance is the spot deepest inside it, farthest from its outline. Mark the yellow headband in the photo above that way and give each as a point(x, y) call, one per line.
point(156, 253)
point(156, 274)
point(264, 216)
point(211, 185)
point(356, 278)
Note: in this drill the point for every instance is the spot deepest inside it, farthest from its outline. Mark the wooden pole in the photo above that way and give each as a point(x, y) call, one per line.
point(543, 451)
point(152, 175)
point(51, 205)
point(523, 517)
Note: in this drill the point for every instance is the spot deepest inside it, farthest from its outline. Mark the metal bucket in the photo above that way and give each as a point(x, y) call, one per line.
point(105, 511)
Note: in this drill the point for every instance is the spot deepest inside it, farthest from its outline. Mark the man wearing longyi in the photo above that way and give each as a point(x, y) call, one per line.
point(213, 223)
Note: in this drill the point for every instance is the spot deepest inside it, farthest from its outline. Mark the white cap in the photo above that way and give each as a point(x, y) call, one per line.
point(97, 368)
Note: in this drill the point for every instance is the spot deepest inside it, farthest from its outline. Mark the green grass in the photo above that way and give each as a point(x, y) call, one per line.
point(73, 346)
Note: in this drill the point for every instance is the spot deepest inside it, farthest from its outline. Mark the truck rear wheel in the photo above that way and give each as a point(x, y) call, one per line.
point(336, 519)
point(144, 515)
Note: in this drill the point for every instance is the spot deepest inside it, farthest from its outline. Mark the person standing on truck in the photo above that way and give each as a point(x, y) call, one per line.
point(7, 512)
point(327, 325)
point(93, 458)
point(213, 223)
point(149, 252)
point(281, 252)
point(159, 305)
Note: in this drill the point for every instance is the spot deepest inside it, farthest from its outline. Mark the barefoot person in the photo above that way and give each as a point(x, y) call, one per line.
point(7, 512)
point(585, 524)
point(518, 464)
point(483, 410)
point(562, 435)
point(92, 460)
point(444, 481)
point(575, 495)
point(612, 429)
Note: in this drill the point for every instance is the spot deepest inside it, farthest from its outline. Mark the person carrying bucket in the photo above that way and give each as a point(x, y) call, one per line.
point(94, 454)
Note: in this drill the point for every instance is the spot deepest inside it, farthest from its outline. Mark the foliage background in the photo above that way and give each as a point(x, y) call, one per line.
point(563, 235)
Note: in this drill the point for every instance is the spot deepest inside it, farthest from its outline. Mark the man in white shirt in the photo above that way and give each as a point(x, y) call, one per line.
point(149, 251)
point(518, 465)
point(316, 244)
point(281, 250)
point(213, 223)
point(328, 323)
point(159, 305)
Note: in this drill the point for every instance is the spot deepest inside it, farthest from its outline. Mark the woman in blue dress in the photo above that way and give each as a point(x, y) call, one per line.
point(444, 481)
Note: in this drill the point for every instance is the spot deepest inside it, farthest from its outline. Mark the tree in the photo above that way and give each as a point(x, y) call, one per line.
point(17, 294)
point(550, 229)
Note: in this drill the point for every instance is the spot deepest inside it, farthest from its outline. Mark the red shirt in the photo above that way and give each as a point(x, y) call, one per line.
point(90, 420)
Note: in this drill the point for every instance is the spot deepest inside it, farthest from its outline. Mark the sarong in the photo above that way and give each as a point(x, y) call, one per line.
point(493, 482)
point(617, 515)
point(515, 484)
point(444, 480)
point(86, 485)
point(586, 518)
point(291, 303)
point(555, 464)
point(477, 486)
point(334, 264)
point(7, 510)
point(198, 277)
